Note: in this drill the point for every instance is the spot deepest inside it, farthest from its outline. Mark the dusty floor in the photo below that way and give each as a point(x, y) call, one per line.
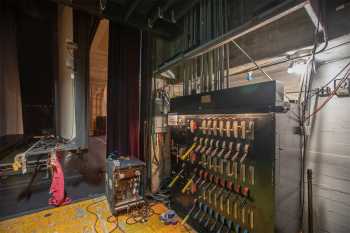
point(76, 218)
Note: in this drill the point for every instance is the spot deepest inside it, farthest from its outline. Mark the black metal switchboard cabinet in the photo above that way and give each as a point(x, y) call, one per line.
point(236, 161)
point(124, 183)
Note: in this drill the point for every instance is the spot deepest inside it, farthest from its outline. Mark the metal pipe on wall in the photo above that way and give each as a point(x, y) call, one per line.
point(310, 201)
point(223, 66)
point(201, 74)
point(227, 48)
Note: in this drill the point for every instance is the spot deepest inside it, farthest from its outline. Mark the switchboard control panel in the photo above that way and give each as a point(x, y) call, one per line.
point(235, 161)
point(220, 172)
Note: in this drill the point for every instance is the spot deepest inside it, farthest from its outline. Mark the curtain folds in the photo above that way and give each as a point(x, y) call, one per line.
point(11, 120)
point(123, 131)
point(146, 96)
point(84, 29)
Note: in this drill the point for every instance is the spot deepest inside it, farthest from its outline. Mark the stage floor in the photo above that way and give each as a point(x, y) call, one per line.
point(84, 179)
point(75, 218)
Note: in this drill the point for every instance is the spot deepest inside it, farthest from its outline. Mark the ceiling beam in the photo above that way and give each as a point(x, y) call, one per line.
point(184, 9)
point(116, 13)
point(159, 11)
point(131, 8)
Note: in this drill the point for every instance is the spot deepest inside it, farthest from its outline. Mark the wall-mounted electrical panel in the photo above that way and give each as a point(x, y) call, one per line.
point(237, 164)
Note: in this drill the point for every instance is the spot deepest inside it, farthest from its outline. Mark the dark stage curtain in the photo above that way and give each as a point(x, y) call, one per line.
point(37, 62)
point(11, 122)
point(123, 90)
point(85, 27)
point(146, 96)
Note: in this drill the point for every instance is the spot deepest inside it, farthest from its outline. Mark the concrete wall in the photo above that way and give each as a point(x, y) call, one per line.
point(66, 103)
point(329, 157)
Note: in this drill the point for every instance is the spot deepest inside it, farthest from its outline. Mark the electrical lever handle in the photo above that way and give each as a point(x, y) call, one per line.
point(175, 179)
point(187, 185)
point(184, 156)
point(189, 213)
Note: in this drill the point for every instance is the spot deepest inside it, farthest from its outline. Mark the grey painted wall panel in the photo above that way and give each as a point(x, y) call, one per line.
point(329, 158)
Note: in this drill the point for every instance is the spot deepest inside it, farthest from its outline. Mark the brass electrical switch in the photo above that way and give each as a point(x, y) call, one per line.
point(204, 126)
point(215, 127)
point(235, 129)
point(221, 128)
point(251, 175)
point(243, 130)
point(200, 144)
point(250, 130)
point(209, 126)
point(251, 219)
point(245, 153)
point(228, 128)
point(242, 173)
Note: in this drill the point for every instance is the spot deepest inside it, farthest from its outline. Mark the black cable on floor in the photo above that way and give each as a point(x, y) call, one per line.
point(140, 214)
point(116, 222)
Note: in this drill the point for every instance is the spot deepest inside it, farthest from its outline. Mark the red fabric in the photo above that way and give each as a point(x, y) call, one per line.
point(123, 132)
point(58, 196)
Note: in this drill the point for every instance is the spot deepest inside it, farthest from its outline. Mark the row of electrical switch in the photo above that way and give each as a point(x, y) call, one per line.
point(226, 161)
point(217, 222)
point(204, 181)
point(224, 127)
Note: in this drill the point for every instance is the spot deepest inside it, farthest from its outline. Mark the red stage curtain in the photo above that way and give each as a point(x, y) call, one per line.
point(123, 90)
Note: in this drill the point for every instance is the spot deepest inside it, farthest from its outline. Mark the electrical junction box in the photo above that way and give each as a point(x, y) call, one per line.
point(344, 89)
point(125, 181)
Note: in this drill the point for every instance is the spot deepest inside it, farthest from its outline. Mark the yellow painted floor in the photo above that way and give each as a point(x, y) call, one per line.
point(75, 218)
